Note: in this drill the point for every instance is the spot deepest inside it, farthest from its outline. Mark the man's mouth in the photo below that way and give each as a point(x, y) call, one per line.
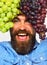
point(22, 36)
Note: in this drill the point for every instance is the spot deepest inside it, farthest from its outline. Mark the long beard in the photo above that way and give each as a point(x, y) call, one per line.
point(24, 47)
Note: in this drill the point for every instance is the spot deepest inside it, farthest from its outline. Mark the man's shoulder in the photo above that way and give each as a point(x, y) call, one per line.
point(3, 48)
point(43, 44)
point(40, 54)
point(4, 44)
point(44, 41)
point(6, 51)
point(41, 48)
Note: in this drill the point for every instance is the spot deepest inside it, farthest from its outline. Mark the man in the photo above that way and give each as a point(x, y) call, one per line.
point(23, 48)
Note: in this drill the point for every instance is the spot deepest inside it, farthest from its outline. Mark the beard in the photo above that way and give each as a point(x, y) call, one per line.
point(22, 47)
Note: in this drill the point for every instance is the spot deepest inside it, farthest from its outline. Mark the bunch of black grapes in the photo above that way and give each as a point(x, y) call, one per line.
point(35, 10)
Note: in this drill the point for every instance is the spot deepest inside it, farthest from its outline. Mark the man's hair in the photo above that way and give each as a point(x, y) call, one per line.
point(35, 11)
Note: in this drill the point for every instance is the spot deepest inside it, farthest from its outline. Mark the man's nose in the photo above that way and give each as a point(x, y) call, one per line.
point(22, 25)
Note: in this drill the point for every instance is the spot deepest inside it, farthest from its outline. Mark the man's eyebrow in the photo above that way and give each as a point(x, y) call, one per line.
point(15, 19)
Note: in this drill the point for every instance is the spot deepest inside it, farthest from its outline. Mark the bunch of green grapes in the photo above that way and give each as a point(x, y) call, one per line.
point(8, 10)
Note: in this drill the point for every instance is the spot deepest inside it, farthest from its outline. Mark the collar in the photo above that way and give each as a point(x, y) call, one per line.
point(36, 44)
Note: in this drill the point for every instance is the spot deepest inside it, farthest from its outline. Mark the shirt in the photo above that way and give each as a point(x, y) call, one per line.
point(38, 56)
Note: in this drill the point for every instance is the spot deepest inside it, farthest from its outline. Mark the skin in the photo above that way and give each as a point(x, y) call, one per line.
point(22, 35)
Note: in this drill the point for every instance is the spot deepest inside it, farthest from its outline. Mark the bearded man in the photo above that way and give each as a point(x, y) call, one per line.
point(23, 49)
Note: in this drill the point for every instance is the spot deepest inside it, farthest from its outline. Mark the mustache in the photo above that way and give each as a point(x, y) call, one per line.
point(21, 31)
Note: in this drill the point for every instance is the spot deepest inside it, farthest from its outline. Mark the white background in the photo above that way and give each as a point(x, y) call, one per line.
point(6, 36)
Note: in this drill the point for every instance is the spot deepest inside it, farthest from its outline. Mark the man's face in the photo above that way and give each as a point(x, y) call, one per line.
point(22, 35)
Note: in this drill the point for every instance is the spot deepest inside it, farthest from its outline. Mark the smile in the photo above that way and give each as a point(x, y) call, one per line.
point(22, 36)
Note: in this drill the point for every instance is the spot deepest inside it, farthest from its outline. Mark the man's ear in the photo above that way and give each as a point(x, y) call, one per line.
point(42, 35)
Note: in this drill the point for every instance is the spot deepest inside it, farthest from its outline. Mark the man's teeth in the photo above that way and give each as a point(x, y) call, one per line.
point(21, 34)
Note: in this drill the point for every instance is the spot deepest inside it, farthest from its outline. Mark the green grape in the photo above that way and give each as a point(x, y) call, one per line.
point(5, 19)
point(1, 4)
point(0, 29)
point(13, 5)
point(8, 25)
point(1, 20)
point(3, 0)
point(4, 7)
point(1, 11)
point(8, 3)
point(1, 24)
point(3, 30)
point(14, 14)
point(9, 9)
point(14, 10)
point(17, 5)
point(18, 11)
point(16, 1)
point(2, 15)
point(9, 15)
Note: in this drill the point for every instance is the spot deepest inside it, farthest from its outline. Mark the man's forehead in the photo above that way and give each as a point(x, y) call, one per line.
point(21, 16)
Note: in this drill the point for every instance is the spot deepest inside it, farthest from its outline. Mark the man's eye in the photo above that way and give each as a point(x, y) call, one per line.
point(15, 20)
